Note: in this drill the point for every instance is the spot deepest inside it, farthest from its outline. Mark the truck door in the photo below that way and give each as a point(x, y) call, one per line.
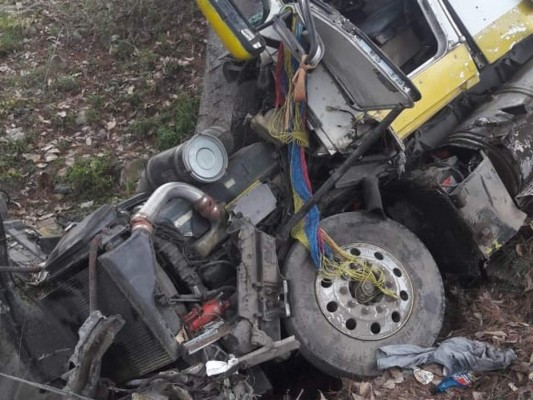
point(444, 76)
point(495, 26)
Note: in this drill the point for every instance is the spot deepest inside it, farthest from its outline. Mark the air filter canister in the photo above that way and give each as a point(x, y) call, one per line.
point(203, 158)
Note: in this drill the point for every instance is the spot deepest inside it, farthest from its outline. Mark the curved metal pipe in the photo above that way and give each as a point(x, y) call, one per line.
point(204, 204)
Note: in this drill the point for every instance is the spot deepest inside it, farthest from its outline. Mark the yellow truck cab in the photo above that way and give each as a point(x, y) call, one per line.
point(490, 30)
point(416, 112)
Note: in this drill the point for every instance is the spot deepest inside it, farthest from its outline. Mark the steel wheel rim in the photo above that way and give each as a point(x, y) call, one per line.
point(359, 310)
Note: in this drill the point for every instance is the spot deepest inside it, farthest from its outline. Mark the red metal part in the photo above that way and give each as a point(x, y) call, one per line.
point(197, 318)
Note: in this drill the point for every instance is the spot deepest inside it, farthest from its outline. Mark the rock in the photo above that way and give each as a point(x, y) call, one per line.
point(50, 157)
point(62, 189)
point(15, 134)
point(32, 157)
point(87, 204)
point(102, 134)
point(131, 171)
point(81, 118)
point(75, 36)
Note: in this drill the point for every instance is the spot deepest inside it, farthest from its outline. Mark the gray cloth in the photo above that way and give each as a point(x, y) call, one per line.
point(456, 354)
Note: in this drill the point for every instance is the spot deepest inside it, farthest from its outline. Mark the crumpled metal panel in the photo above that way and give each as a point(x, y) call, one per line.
point(488, 208)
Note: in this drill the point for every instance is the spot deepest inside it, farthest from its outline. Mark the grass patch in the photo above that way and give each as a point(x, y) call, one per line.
point(122, 50)
point(11, 34)
point(93, 116)
point(172, 125)
point(147, 59)
point(134, 21)
point(179, 122)
point(12, 164)
point(66, 84)
point(144, 127)
point(33, 79)
point(96, 101)
point(92, 178)
point(15, 106)
point(62, 123)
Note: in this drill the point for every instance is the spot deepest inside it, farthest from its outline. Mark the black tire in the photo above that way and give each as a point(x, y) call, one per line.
point(248, 101)
point(329, 349)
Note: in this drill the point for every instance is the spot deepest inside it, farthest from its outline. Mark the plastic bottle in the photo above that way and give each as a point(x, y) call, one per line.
point(454, 381)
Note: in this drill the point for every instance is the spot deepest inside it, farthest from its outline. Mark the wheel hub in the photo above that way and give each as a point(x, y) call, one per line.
point(359, 309)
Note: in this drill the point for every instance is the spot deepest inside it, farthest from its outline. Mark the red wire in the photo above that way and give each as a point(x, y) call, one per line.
point(280, 98)
point(305, 172)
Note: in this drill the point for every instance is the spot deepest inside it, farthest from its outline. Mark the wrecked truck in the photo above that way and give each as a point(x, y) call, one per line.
point(370, 148)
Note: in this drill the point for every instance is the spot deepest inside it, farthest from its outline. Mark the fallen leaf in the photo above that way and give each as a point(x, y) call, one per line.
point(512, 386)
point(322, 397)
point(88, 141)
point(111, 124)
point(522, 367)
point(364, 388)
point(519, 250)
point(529, 282)
point(530, 377)
point(397, 375)
point(390, 384)
point(32, 157)
point(62, 114)
point(87, 204)
point(44, 121)
point(495, 335)
point(51, 157)
point(478, 395)
point(479, 316)
point(130, 89)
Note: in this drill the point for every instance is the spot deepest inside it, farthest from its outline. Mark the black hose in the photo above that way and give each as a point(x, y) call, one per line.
point(212, 263)
point(309, 22)
point(17, 269)
point(93, 289)
point(180, 268)
point(4, 258)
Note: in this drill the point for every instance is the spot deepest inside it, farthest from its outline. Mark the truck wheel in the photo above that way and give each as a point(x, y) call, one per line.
point(340, 324)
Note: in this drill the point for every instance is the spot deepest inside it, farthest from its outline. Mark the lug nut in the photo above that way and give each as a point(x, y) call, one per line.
point(364, 311)
point(343, 290)
point(351, 304)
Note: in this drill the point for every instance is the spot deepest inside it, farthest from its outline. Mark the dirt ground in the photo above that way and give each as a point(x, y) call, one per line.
point(88, 90)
